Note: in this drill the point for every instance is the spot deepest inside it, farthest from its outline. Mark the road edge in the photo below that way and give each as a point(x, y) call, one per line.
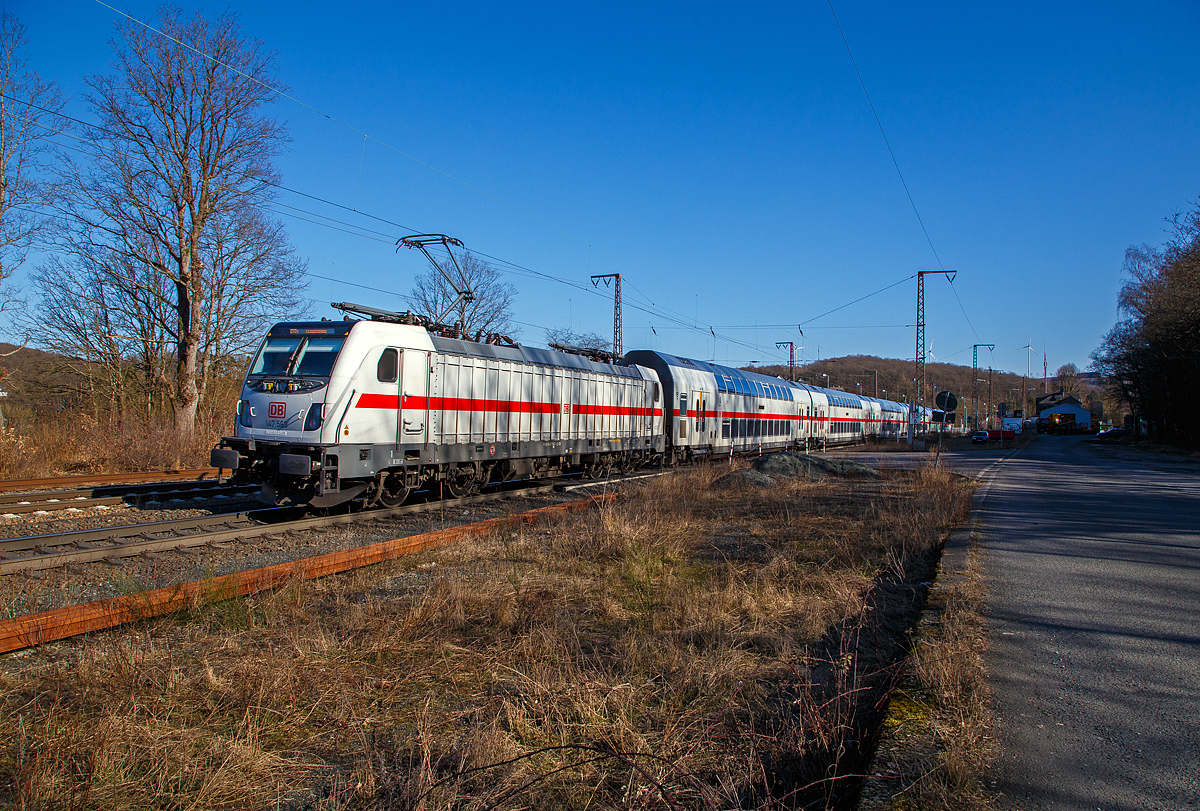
point(907, 749)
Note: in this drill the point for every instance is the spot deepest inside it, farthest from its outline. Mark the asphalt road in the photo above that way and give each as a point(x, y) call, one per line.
point(1092, 556)
point(969, 461)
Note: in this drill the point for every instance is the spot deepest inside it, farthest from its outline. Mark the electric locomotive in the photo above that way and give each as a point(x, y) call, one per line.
point(332, 411)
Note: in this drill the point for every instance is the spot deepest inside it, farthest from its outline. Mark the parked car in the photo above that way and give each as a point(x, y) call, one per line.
point(980, 437)
point(1111, 434)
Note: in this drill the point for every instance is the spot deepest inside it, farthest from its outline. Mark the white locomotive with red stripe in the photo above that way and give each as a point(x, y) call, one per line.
point(371, 410)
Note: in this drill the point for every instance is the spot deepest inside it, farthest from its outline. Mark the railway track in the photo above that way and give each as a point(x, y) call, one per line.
point(54, 550)
point(16, 485)
point(136, 495)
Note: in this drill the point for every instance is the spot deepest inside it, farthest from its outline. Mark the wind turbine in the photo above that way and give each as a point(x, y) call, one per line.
point(1029, 350)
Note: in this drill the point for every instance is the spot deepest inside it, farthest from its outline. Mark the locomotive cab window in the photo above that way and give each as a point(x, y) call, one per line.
point(305, 357)
point(388, 370)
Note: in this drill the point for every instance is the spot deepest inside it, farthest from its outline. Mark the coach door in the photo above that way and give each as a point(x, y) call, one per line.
point(385, 397)
point(700, 421)
point(413, 415)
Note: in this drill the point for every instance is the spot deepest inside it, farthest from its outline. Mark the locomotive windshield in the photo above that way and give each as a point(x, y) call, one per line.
point(297, 357)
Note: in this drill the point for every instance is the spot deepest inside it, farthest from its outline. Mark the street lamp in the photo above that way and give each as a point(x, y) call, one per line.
point(826, 380)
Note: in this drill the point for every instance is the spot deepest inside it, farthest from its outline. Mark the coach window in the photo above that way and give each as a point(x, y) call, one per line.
point(389, 366)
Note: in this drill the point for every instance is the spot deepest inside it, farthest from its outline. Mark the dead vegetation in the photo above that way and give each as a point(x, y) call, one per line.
point(687, 647)
point(937, 740)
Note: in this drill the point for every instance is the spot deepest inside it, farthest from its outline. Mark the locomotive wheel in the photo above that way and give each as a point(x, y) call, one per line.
point(392, 491)
point(598, 469)
point(460, 486)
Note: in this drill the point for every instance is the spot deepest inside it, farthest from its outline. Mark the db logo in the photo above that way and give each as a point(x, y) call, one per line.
point(277, 410)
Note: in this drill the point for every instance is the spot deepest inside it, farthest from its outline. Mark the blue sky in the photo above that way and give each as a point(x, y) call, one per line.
point(727, 163)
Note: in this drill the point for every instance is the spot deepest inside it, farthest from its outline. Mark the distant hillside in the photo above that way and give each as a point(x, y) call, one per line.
point(36, 379)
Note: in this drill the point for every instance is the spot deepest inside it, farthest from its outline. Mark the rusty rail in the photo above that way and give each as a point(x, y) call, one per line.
point(108, 478)
point(60, 623)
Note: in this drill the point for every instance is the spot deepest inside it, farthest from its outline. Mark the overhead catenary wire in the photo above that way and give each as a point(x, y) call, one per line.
point(316, 218)
point(663, 313)
point(415, 159)
point(896, 164)
point(657, 309)
point(886, 142)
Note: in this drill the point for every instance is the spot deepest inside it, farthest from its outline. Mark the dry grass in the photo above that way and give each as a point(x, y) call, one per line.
point(948, 666)
point(939, 728)
point(77, 444)
point(672, 650)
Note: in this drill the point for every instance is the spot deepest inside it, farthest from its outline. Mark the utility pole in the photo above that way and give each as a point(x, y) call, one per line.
point(791, 347)
point(876, 372)
point(919, 400)
point(990, 399)
point(618, 350)
point(1028, 350)
point(974, 375)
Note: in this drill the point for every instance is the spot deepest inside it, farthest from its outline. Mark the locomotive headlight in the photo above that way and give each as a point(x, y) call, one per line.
point(316, 413)
point(244, 412)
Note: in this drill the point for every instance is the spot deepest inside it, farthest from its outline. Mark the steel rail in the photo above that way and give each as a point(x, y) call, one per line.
point(136, 499)
point(60, 623)
point(204, 474)
point(135, 539)
point(104, 491)
point(58, 505)
point(118, 534)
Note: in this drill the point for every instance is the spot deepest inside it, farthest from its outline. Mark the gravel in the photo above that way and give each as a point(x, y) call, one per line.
point(27, 593)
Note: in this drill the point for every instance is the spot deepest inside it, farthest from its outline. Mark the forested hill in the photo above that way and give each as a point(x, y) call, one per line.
point(857, 373)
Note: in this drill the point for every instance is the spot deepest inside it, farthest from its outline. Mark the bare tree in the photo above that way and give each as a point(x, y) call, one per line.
point(1068, 378)
point(489, 309)
point(581, 340)
point(170, 207)
point(1148, 359)
point(29, 110)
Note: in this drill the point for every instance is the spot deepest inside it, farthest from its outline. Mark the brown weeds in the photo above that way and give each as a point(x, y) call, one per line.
point(665, 651)
point(78, 444)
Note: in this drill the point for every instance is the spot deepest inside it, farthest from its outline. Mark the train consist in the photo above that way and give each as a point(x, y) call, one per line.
point(373, 409)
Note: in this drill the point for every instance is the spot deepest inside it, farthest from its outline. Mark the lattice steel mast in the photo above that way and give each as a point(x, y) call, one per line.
point(618, 331)
point(919, 377)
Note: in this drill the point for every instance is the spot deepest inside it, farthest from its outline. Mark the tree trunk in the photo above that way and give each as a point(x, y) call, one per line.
point(187, 397)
